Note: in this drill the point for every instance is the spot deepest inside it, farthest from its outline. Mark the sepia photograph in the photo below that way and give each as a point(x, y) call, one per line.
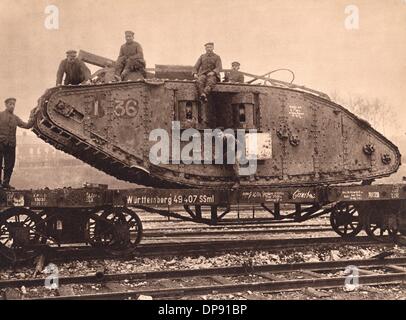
point(202, 151)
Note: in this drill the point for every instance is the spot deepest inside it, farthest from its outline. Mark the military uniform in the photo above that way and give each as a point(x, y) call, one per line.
point(75, 72)
point(234, 76)
point(130, 58)
point(8, 127)
point(207, 62)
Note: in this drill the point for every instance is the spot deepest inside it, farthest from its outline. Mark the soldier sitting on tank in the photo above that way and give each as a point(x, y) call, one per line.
point(234, 75)
point(207, 71)
point(130, 58)
point(75, 70)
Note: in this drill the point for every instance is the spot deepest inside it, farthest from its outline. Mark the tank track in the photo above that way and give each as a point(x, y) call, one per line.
point(71, 144)
point(65, 141)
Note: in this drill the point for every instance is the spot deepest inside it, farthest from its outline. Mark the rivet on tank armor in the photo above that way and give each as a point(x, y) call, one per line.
point(386, 159)
point(294, 140)
point(369, 149)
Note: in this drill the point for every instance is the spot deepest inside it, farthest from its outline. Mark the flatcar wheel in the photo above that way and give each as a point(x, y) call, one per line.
point(135, 226)
point(129, 233)
point(345, 220)
point(20, 234)
point(115, 230)
point(376, 229)
point(100, 228)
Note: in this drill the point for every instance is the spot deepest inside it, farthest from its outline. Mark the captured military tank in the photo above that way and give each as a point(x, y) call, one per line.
point(302, 137)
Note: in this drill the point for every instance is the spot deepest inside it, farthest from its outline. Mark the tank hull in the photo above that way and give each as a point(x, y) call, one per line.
point(304, 139)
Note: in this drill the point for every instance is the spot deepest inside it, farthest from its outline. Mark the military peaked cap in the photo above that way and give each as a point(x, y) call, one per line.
point(10, 99)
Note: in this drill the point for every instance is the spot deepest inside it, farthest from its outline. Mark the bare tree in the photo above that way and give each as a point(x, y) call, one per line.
point(380, 115)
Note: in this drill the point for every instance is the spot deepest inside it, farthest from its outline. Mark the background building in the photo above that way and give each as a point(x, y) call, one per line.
point(40, 165)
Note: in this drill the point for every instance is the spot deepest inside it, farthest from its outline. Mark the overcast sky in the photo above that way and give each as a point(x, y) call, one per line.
point(307, 36)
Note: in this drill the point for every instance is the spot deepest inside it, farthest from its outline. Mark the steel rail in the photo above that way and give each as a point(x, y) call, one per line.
point(183, 248)
point(268, 286)
point(165, 233)
point(220, 271)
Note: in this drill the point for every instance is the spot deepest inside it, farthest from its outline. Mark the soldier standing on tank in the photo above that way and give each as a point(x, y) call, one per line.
point(74, 69)
point(207, 71)
point(234, 75)
point(8, 127)
point(130, 58)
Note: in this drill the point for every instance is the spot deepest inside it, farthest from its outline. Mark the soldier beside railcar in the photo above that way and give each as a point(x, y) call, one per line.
point(8, 127)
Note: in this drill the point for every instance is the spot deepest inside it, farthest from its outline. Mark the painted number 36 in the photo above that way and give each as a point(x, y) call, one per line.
point(127, 108)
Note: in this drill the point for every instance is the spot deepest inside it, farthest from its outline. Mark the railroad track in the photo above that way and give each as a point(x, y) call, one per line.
point(218, 246)
point(237, 230)
point(246, 279)
point(161, 236)
point(238, 216)
point(179, 248)
point(228, 222)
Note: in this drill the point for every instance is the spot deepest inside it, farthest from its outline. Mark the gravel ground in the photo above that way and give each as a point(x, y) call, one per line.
point(387, 292)
point(325, 253)
point(310, 254)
